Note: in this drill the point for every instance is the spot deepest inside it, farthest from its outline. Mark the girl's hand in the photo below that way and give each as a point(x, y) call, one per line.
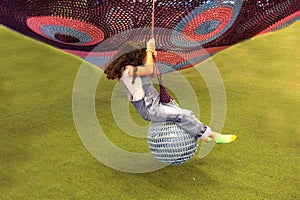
point(151, 45)
point(154, 53)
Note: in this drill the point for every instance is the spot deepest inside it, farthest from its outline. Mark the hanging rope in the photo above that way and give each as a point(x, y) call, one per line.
point(165, 97)
point(152, 22)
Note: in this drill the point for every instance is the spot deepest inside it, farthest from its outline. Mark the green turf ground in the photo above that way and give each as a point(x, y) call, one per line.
point(42, 156)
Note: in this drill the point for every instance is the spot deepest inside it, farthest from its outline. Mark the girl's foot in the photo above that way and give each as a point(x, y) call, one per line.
point(221, 138)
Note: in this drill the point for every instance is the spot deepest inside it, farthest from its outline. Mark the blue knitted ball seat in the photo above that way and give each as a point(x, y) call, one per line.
point(170, 144)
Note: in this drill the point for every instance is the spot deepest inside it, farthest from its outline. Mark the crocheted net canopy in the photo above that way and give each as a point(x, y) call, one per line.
point(94, 29)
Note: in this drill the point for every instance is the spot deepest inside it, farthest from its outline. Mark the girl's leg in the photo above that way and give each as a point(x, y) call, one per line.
point(182, 117)
point(186, 120)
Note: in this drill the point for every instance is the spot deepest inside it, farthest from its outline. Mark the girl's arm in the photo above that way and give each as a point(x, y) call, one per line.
point(149, 68)
point(155, 70)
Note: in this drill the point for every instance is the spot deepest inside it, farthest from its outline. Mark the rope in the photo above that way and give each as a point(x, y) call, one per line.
point(152, 23)
point(165, 97)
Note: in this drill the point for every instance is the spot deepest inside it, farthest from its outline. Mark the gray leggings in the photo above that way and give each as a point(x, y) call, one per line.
point(151, 109)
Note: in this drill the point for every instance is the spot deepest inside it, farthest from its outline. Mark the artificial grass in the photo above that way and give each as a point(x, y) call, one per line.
point(42, 156)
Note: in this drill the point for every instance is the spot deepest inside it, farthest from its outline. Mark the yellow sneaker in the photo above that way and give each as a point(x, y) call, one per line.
point(225, 138)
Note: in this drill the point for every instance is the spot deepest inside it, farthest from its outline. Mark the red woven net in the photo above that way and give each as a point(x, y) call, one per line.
point(183, 28)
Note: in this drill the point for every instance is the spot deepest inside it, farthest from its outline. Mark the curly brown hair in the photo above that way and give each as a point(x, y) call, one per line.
point(130, 53)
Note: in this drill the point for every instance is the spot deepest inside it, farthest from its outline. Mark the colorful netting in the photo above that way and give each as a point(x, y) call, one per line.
point(181, 26)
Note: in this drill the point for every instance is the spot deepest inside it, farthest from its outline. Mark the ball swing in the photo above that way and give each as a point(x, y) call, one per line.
point(167, 141)
point(170, 144)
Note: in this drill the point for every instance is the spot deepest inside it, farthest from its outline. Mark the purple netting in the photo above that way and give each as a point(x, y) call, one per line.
point(182, 27)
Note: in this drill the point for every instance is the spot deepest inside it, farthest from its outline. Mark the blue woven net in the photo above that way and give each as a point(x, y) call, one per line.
point(170, 144)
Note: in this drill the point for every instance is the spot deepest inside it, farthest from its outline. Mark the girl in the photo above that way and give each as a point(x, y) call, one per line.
point(134, 65)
